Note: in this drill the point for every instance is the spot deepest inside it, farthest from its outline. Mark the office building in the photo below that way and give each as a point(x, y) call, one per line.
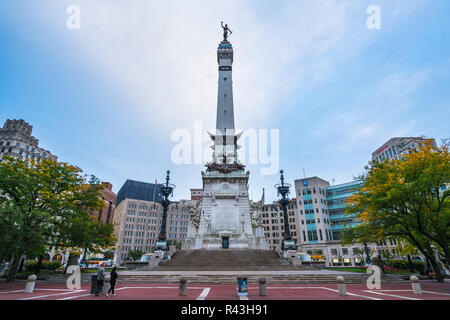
point(138, 218)
point(396, 147)
point(273, 223)
point(16, 141)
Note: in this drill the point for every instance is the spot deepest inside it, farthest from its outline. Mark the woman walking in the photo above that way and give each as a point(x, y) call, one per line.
point(112, 281)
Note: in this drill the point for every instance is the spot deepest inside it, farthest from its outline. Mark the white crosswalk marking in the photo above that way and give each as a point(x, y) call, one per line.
point(391, 295)
point(51, 295)
point(204, 294)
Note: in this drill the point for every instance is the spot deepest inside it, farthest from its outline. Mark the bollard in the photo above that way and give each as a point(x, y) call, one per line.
point(415, 285)
point(31, 281)
point(262, 287)
point(341, 286)
point(182, 287)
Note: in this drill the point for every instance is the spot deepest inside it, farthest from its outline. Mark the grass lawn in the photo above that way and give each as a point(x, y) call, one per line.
point(347, 269)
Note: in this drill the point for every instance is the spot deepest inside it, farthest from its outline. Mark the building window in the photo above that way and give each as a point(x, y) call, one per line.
point(312, 235)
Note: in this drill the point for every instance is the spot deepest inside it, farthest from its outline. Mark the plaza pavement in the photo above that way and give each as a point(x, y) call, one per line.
point(391, 291)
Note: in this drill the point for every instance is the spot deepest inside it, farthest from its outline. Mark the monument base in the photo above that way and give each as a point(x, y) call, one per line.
point(225, 241)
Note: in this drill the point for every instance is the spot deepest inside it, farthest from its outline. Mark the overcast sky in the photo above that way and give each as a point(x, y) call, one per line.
point(107, 97)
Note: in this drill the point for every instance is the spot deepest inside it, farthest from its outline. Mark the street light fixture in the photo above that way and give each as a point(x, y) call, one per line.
point(162, 244)
point(283, 191)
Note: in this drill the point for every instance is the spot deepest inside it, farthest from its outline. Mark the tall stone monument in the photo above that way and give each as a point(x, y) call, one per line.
point(223, 219)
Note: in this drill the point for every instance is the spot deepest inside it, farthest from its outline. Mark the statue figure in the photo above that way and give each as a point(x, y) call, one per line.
point(194, 215)
point(225, 31)
point(242, 220)
point(208, 223)
point(255, 212)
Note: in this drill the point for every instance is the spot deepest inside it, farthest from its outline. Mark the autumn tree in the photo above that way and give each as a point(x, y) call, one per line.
point(46, 204)
point(407, 199)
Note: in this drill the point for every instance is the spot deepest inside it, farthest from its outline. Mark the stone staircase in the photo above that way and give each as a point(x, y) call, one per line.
point(225, 266)
point(230, 277)
point(226, 260)
point(272, 278)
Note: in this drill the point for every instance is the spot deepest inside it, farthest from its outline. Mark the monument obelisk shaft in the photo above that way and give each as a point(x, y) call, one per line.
point(225, 221)
point(225, 141)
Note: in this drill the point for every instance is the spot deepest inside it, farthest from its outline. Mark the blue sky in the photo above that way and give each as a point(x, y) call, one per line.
point(108, 96)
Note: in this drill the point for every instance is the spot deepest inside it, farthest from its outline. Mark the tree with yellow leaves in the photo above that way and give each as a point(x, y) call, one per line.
point(44, 205)
point(406, 199)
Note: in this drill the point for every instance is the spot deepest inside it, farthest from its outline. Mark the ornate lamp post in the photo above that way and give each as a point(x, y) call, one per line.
point(166, 190)
point(366, 249)
point(283, 190)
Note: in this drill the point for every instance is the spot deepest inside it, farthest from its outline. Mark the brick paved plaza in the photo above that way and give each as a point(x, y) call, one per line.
point(391, 291)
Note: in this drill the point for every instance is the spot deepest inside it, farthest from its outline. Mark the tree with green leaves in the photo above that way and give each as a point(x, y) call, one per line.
point(407, 199)
point(45, 205)
point(135, 254)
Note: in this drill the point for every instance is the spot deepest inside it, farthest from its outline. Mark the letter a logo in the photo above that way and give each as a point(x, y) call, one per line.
point(374, 281)
point(374, 21)
point(74, 281)
point(74, 20)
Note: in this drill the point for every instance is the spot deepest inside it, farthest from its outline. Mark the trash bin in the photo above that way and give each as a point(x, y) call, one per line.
point(242, 287)
point(94, 284)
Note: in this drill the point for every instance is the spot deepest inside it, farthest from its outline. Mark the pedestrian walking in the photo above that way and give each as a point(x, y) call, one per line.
point(100, 280)
point(112, 281)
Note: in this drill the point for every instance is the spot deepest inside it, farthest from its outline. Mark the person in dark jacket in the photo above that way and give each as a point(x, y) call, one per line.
point(112, 281)
point(100, 279)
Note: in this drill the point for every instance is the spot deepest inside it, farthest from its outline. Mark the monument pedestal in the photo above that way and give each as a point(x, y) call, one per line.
point(225, 221)
point(233, 241)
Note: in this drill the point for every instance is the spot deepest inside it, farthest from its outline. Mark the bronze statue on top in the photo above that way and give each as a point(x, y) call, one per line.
point(225, 31)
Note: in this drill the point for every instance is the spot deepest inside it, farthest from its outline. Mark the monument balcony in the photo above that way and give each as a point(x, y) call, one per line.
point(217, 174)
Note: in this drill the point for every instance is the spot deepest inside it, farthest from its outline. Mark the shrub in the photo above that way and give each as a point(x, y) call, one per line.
point(31, 266)
point(404, 264)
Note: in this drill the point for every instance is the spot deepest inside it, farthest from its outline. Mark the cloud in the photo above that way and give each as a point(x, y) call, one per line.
point(401, 84)
point(161, 54)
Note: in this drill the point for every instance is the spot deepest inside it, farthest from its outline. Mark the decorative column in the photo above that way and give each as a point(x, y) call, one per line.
point(167, 190)
point(283, 190)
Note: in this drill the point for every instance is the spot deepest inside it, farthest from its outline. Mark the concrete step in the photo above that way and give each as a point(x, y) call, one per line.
point(230, 278)
point(224, 260)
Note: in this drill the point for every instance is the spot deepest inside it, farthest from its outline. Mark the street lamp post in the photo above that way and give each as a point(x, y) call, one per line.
point(166, 190)
point(283, 191)
point(366, 249)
